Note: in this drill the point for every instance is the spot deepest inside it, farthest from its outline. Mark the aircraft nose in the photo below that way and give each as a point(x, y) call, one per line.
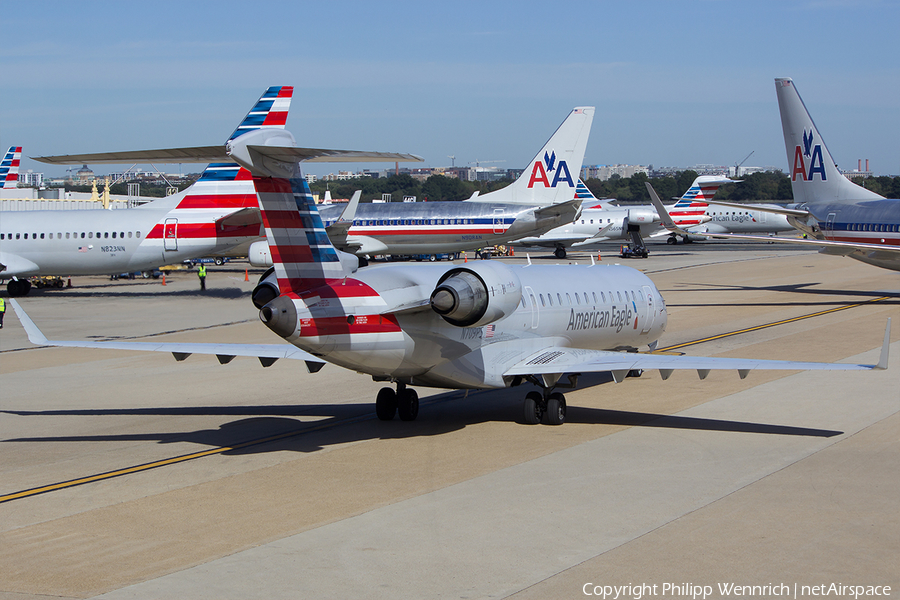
point(280, 315)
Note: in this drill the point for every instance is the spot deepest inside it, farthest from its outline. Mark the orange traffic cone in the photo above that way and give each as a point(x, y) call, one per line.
point(164, 279)
point(511, 251)
point(69, 284)
point(246, 274)
point(465, 257)
point(600, 258)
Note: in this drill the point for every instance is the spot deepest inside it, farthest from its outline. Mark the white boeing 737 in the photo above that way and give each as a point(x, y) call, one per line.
point(213, 215)
point(479, 325)
point(840, 217)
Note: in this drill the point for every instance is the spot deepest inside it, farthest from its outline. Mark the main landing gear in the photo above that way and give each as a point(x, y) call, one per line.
point(404, 401)
point(548, 408)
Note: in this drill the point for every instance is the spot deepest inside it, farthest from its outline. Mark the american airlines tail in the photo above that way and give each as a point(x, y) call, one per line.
point(551, 176)
point(9, 167)
point(222, 202)
point(814, 176)
point(692, 205)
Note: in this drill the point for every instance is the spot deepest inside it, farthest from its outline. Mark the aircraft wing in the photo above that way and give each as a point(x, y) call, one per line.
point(827, 246)
point(778, 210)
point(218, 154)
point(266, 353)
point(557, 360)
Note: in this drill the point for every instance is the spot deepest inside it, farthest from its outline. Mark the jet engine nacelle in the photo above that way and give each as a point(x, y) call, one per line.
point(259, 254)
point(473, 296)
point(641, 216)
point(266, 288)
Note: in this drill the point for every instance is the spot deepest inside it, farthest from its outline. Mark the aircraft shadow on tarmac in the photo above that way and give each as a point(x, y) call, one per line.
point(277, 428)
point(794, 288)
point(113, 291)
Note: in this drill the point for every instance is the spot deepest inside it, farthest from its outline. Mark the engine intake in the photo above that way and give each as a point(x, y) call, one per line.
point(482, 294)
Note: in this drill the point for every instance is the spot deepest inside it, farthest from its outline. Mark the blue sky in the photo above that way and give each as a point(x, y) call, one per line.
point(674, 83)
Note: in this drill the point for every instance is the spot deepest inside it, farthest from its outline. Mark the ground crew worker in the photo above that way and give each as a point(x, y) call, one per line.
point(201, 273)
point(2, 311)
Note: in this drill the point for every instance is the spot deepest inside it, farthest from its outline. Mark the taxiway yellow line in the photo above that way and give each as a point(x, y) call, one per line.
point(772, 324)
point(195, 455)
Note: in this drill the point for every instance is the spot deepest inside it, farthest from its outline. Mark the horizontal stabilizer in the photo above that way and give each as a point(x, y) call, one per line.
point(217, 154)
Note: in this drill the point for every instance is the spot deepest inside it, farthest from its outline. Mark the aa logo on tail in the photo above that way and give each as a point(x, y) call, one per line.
point(540, 173)
point(814, 154)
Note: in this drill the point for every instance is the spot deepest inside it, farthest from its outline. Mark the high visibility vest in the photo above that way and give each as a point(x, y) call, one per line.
point(2, 305)
point(202, 271)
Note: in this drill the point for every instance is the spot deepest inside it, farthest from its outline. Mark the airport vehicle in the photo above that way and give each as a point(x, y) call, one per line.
point(481, 325)
point(840, 217)
point(9, 168)
point(542, 198)
point(215, 214)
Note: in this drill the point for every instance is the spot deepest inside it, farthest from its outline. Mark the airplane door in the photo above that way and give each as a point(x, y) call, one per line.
point(170, 234)
point(651, 309)
point(532, 301)
point(829, 226)
point(761, 216)
point(498, 221)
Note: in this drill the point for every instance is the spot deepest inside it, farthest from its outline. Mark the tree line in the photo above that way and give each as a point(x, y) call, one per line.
point(773, 186)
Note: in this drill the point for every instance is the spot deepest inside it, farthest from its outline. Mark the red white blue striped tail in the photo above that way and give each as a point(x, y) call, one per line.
point(270, 112)
point(9, 167)
point(303, 256)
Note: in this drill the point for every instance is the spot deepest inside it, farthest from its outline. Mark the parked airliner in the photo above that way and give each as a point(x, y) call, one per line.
point(542, 198)
point(842, 218)
point(480, 325)
point(212, 216)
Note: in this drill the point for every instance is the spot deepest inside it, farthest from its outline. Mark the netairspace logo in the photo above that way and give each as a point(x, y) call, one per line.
point(727, 590)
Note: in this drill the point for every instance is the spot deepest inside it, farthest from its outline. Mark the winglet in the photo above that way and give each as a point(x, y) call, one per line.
point(34, 334)
point(883, 359)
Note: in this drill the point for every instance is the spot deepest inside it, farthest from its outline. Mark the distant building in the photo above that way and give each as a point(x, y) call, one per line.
point(84, 175)
point(604, 172)
point(31, 179)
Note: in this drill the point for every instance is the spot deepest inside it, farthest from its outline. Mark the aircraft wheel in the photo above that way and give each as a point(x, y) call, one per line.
point(408, 405)
point(220, 261)
point(635, 373)
point(432, 258)
point(556, 409)
point(671, 240)
point(18, 287)
point(688, 240)
point(559, 253)
point(386, 404)
point(534, 408)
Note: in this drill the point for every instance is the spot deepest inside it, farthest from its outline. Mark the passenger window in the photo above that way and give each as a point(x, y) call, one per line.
point(542, 300)
point(595, 297)
point(577, 299)
point(568, 299)
point(114, 235)
point(137, 234)
point(91, 234)
point(42, 236)
point(26, 236)
point(619, 294)
point(67, 235)
point(603, 297)
point(586, 301)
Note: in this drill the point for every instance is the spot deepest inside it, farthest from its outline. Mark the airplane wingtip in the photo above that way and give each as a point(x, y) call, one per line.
point(34, 334)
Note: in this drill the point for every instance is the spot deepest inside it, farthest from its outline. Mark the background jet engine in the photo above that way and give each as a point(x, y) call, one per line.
point(477, 295)
point(266, 289)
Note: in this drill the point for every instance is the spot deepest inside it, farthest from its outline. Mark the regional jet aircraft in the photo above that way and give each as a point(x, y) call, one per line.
point(542, 198)
point(841, 217)
point(483, 325)
point(214, 215)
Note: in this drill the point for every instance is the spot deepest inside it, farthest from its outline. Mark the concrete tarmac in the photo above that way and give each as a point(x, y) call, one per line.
point(779, 478)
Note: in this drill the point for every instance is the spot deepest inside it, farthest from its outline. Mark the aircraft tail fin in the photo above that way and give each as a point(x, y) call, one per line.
point(552, 174)
point(701, 192)
point(226, 185)
point(814, 176)
point(9, 168)
point(303, 256)
point(588, 199)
